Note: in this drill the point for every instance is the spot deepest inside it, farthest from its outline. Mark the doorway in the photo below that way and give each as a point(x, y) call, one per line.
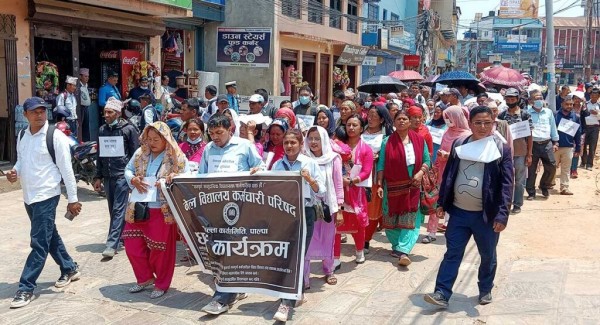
point(9, 94)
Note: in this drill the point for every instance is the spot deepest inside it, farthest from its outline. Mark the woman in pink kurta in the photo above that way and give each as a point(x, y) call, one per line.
point(194, 144)
point(355, 199)
point(318, 146)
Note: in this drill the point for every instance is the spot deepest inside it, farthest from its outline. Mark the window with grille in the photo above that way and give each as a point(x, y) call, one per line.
point(335, 14)
point(373, 17)
point(291, 8)
point(352, 25)
point(315, 11)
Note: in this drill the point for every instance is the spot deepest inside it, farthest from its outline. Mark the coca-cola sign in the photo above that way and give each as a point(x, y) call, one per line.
point(130, 61)
point(113, 54)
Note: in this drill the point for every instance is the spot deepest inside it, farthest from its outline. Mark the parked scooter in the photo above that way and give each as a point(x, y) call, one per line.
point(83, 155)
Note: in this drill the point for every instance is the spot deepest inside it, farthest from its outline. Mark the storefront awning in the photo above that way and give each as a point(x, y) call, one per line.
point(94, 18)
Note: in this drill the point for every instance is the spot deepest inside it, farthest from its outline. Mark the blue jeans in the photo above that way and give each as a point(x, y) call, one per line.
point(117, 195)
point(44, 239)
point(520, 179)
point(461, 226)
point(227, 298)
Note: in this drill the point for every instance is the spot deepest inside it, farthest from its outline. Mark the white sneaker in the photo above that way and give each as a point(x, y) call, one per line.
point(360, 257)
point(337, 264)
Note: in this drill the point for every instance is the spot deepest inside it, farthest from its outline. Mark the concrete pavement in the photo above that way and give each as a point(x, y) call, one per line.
point(532, 287)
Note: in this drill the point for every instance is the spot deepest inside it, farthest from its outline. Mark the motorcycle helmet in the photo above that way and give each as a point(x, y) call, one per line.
point(61, 112)
point(135, 106)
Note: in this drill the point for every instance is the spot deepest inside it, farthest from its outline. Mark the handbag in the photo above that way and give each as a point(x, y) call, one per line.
point(429, 192)
point(141, 212)
point(323, 212)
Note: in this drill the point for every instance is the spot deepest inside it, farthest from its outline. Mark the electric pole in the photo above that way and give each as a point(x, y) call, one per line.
point(587, 60)
point(551, 64)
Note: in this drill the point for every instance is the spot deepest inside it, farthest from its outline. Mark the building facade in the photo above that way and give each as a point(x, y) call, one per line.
point(444, 29)
point(306, 39)
point(569, 45)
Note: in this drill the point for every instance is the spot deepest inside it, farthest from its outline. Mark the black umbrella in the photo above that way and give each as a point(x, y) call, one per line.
point(382, 85)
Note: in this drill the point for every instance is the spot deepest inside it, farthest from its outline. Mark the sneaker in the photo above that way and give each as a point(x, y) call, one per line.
point(282, 313)
point(109, 252)
point(337, 264)
point(545, 193)
point(530, 197)
point(588, 167)
point(65, 279)
point(157, 293)
point(404, 260)
point(21, 299)
point(360, 257)
point(485, 299)
point(515, 210)
point(437, 298)
point(566, 192)
point(574, 174)
point(395, 254)
point(215, 308)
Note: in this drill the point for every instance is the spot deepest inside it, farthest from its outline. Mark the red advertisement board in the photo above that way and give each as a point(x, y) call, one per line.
point(412, 60)
point(128, 58)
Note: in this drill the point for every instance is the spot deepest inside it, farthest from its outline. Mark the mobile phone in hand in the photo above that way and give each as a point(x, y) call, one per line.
point(69, 216)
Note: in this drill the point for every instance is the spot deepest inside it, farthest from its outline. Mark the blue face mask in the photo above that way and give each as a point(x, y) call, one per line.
point(190, 141)
point(367, 104)
point(115, 122)
point(538, 103)
point(304, 100)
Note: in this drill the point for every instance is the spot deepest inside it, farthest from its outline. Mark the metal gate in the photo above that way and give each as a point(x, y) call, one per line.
point(8, 31)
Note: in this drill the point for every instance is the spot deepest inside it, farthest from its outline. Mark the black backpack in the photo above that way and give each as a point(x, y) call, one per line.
point(49, 141)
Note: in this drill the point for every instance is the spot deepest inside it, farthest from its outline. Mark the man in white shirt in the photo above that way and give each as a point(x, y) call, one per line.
point(40, 179)
point(68, 100)
point(590, 116)
point(83, 95)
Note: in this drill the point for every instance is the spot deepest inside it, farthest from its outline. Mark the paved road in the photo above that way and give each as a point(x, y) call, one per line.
point(531, 287)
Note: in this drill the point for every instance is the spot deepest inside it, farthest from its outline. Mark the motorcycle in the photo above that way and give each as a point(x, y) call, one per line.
point(83, 161)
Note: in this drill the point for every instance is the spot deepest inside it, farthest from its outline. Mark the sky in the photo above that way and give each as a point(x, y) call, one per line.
point(469, 8)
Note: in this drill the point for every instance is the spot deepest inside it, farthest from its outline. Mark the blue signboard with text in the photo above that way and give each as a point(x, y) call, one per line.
point(523, 47)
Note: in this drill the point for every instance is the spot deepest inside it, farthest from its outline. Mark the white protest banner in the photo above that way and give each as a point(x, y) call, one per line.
point(591, 120)
point(568, 127)
point(111, 146)
point(520, 130)
point(436, 134)
point(308, 120)
point(483, 150)
point(541, 131)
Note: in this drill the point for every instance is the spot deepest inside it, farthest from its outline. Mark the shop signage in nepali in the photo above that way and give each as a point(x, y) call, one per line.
point(248, 230)
point(412, 60)
point(352, 55)
point(243, 47)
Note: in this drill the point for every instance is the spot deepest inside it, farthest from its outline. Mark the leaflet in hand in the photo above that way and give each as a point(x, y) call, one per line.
point(149, 196)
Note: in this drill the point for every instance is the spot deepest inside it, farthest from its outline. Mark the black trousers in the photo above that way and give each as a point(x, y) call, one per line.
point(589, 146)
point(545, 153)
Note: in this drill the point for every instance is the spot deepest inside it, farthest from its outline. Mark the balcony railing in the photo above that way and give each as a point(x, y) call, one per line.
point(352, 24)
point(291, 8)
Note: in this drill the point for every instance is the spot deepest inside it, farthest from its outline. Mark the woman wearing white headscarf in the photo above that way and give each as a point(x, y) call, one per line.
point(318, 147)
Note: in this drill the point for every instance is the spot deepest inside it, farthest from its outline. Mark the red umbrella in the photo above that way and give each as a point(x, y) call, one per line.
point(501, 75)
point(406, 75)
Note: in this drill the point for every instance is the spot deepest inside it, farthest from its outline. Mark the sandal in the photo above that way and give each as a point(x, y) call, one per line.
point(331, 279)
point(140, 287)
point(428, 239)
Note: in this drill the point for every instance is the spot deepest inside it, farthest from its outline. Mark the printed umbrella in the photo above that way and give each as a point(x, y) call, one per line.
point(406, 75)
point(459, 78)
point(382, 85)
point(501, 75)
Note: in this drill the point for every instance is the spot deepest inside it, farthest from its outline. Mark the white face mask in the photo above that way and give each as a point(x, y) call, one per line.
point(144, 87)
point(367, 104)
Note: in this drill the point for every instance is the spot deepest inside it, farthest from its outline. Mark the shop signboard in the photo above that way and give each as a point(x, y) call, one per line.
point(185, 4)
point(370, 61)
point(247, 230)
point(244, 47)
point(516, 38)
point(412, 60)
point(352, 55)
point(519, 9)
point(511, 47)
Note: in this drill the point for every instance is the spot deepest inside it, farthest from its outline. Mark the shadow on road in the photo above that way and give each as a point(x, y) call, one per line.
point(173, 298)
point(458, 303)
point(92, 248)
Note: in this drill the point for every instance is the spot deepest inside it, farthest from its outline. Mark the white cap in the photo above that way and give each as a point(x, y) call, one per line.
point(71, 80)
point(231, 83)
point(256, 98)
point(579, 94)
point(114, 104)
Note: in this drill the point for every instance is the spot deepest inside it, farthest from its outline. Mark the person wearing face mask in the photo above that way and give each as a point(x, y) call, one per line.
point(304, 104)
point(111, 170)
point(566, 142)
point(545, 143)
point(141, 89)
point(522, 147)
